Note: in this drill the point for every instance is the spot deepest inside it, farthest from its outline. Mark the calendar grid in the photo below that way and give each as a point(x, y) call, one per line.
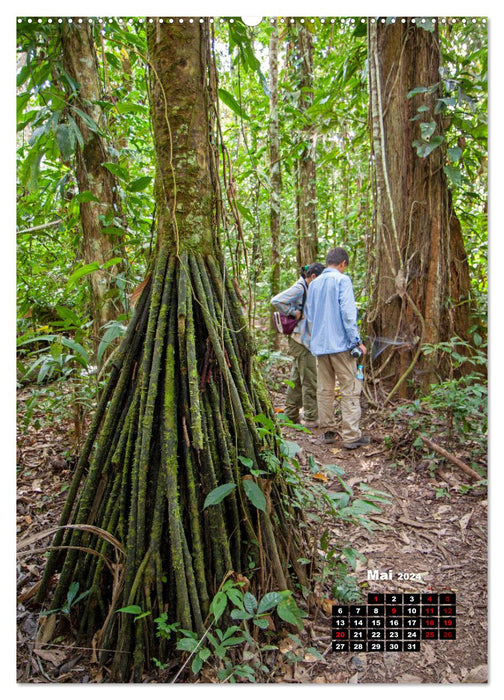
point(394, 622)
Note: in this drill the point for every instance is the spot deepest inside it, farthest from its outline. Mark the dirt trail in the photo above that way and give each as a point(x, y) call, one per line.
point(429, 529)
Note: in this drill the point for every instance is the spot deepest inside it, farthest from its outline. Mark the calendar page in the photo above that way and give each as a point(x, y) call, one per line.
point(252, 328)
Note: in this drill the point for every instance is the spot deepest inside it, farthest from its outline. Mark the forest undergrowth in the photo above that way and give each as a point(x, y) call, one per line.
point(396, 505)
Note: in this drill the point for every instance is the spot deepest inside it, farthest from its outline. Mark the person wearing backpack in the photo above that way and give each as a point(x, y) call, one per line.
point(335, 341)
point(289, 307)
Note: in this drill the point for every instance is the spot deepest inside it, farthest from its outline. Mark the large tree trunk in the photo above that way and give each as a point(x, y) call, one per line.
point(307, 248)
point(275, 173)
point(419, 272)
point(178, 412)
point(81, 64)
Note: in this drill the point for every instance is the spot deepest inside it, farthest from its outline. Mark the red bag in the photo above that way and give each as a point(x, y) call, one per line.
point(284, 324)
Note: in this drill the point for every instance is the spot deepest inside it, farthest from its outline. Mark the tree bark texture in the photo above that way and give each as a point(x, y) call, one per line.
point(306, 167)
point(177, 414)
point(80, 62)
point(419, 274)
point(275, 174)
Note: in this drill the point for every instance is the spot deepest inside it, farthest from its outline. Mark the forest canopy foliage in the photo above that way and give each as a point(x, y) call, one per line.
point(53, 296)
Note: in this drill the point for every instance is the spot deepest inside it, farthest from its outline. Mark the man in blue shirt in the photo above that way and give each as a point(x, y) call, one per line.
point(332, 325)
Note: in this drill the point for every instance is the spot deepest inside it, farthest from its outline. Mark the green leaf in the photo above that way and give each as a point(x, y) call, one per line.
point(453, 174)
point(246, 461)
point(264, 421)
point(187, 644)
point(218, 494)
point(114, 331)
point(77, 348)
point(261, 622)
point(288, 610)
point(88, 121)
point(116, 169)
point(427, 129)
point(245, 212)
point(416, 91)
point(240, 615)
point(111, 262)
point(84, 270)
point(231, 102)
point(139, 184)
point(454, 154)
point(65, 138)
point(218, 604)
point(360, 29)
point(254, 494)
point(289, 448)
point(131, 610)
point(269, 601)
point(130, 107)
point(197, 664)
point(86, 196)
point(250, 603)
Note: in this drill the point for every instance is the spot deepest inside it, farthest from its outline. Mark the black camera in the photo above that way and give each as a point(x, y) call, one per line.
point(356, 352)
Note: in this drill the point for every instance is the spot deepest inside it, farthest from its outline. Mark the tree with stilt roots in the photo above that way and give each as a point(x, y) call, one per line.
point(178, 417)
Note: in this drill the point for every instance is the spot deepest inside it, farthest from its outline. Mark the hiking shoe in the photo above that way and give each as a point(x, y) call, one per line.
point(310, 423)
point(363, 440)
point(329, 437)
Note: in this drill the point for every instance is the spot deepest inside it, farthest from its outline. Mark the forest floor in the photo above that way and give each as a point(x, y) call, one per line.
point(430, 528)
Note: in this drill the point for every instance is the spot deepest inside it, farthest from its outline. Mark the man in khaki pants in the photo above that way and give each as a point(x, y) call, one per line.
point(332, 325)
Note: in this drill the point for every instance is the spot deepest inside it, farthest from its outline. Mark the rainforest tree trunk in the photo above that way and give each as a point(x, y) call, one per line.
point(306, 168)
point(418, 267)
point(275, 174)
point(177, 417)
point(103, 209)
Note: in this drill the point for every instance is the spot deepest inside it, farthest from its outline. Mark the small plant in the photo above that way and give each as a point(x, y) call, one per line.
point(72, 599)
point(215, 645)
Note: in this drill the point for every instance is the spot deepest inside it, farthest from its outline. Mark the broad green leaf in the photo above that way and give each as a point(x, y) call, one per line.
point(131, 610)
point(427, 129)
point(245, 212)
point(416, 91)
point(269, 601)
point(114, 331)
point(69, 316)
point(197, 664)
point(88, 121)
point(264, 421)
point(454, 154)
point(116, 169)
point(453, 174)
point(86, 196)
point(288, 610)
point(254, 494)
point(246, 461)
point(77, 348)
point(218, 494)
point(139, 184)
point(231, 102)
point(240, 615)
point(109, 263)
point(130, 108)
point(84, 270)
point(218, 604)
point(289, 448)
point(250, 603)
point(65, 138)
point(187, 644)
point(261, 622)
